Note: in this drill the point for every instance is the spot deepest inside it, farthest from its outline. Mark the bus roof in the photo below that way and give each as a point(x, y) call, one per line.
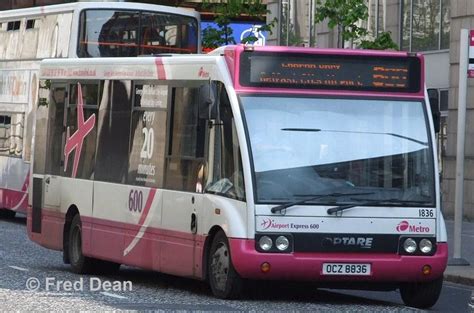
point(225, 64)
point(69, 7)
point(277, 49)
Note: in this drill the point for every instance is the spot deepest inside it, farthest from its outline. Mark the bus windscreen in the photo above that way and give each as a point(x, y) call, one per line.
point(318, 71)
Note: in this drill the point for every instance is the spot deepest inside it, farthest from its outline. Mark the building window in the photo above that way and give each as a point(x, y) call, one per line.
point(425, 25)
point(377, 20)
point(445, 26)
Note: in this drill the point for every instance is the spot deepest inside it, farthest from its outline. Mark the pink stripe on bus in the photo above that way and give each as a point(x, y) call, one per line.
point(160, 69)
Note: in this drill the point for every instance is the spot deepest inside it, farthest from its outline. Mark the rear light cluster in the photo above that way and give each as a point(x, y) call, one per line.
point(274, 243)
point(417, 246)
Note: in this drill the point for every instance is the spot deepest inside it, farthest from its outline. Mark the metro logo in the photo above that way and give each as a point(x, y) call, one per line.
point(419, 229)
point(402, 226)
point(405, 225)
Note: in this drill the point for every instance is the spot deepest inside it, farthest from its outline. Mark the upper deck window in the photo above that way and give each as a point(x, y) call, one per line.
point(110, 33)
point(30, 24)
point(13, 25)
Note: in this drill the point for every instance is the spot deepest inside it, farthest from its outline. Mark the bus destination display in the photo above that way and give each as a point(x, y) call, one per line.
point(313, 71)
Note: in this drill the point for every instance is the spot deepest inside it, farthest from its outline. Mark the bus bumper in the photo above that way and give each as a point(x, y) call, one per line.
point(385, 267)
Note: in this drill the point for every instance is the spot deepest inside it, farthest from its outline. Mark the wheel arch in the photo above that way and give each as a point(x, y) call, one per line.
point(207, 248)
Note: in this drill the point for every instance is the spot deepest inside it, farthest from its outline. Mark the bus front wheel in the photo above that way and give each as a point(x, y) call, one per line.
point(225, 282)
point(421, 295)
point(80, 264)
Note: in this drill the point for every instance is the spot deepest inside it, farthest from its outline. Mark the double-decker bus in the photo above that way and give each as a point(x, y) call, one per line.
point(76, 30)
point(267, 163)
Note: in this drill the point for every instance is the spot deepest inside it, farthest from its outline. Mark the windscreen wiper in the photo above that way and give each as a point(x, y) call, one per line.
point(341, 208)
point(282, 207)
point(355, 132)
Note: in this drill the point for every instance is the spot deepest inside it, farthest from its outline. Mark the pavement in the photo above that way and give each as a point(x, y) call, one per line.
point(461, 274)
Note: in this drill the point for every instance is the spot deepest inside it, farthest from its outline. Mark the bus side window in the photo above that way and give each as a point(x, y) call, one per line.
point(113, 132)
point(41, 127)
point(17, 122)
point(4, 134)
point(225, 162)
point(55, 118)
point(91, 93)
point(148, 135)
point(185, 154)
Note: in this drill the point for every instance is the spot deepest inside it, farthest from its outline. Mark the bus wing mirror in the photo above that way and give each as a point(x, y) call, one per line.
point(207, 102)
point(433, 96)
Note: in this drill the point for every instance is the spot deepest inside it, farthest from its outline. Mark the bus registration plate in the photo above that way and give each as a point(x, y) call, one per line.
point(346, 269)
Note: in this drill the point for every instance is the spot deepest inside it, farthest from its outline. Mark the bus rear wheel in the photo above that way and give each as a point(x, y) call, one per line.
point(225, 282)
point(421, 295)
point(80, 264)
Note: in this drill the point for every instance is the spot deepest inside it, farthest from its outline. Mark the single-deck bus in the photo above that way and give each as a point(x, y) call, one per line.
point(76, 30)
point(267, 163)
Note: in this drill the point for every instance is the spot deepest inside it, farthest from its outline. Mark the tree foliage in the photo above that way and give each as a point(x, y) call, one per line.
point(382, 42)
point(343, 14)
point(346, 16)
point(228, 10)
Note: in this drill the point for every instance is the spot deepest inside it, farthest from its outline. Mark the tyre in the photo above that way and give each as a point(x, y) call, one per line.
point(7, 214)
point(421, 295)
point(224, 281)
point(80, 264)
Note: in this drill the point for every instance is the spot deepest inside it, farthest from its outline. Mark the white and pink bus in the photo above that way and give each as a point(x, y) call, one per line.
point(75, 30)
point(267, 163)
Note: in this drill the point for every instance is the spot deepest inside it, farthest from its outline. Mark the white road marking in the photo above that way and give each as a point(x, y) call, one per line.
point(18, 268)
point(112, 295)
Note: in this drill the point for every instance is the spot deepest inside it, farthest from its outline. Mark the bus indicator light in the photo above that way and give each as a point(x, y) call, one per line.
point(265, 267)
point(426, 270)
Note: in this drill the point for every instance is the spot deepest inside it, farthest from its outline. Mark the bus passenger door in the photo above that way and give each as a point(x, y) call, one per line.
point(182, 191)
point(55, 157)
point(48, 156)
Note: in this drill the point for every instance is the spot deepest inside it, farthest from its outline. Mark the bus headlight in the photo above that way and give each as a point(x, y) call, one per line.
point(426, 246)
point(265, 243)
point(409, 245)
point(282, 243)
